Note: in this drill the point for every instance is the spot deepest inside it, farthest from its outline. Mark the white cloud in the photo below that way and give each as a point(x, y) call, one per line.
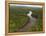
point(26, 5)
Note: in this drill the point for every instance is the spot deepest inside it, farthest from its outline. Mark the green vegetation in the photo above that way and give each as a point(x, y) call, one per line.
point(16, 22)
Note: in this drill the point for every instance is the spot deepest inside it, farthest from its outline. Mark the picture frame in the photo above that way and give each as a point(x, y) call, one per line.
point(7, 3)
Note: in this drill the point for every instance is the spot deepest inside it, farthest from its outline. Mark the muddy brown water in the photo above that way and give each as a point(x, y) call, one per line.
point(28, 25)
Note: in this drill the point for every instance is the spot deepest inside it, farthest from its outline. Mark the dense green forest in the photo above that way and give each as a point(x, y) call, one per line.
point(18, 18)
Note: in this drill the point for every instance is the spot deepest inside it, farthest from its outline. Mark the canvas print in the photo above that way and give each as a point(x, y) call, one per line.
point(25, 18)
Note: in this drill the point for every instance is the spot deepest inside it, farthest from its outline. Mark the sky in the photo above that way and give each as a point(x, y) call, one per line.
point(26, 5)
